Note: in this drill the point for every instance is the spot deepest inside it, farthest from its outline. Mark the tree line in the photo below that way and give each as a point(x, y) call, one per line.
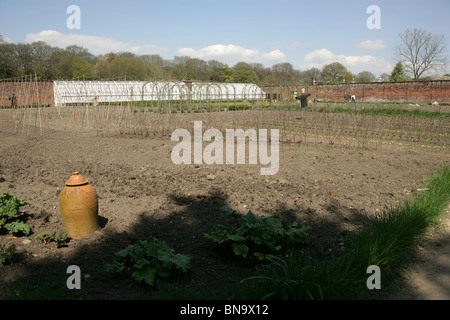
point(75, 62)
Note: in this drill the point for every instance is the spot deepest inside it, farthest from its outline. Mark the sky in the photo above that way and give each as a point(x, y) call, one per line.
point(304, 33)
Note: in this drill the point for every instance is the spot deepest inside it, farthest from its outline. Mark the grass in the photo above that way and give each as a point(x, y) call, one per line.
point(44, 287)
point(387, 241)
point(391, 110)
point(365, 108)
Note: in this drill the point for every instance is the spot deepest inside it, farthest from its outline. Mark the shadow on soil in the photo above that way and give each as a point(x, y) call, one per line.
point(213, 274)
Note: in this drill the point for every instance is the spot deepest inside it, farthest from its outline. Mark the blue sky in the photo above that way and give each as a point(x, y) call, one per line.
point(305, 33)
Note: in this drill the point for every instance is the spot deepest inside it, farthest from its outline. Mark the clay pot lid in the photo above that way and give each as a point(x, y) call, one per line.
point(76, 180)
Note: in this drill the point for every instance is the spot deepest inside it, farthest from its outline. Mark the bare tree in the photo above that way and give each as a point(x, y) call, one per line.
point(421, 51)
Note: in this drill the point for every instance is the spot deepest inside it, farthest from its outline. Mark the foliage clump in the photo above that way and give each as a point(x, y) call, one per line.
point(257, 237)
point(10, 217)
point(149, 259)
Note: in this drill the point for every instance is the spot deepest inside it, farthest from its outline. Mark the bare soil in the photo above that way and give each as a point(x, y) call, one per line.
point(141, 193)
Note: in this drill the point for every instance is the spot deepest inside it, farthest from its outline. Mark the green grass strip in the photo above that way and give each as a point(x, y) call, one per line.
point(386, 111)
point(387, 241)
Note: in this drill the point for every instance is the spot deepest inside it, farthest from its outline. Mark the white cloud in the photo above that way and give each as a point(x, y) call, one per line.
point(319, 56)
point(372, 45)
point(95, 45)
point(295, 44)
point(5, 38)
point(355, 64)
point(232, 54)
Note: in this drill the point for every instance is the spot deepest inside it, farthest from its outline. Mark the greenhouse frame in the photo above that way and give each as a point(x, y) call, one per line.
point(73, 92)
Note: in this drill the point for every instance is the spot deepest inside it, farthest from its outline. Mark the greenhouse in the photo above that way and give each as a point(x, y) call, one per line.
point(72, 92)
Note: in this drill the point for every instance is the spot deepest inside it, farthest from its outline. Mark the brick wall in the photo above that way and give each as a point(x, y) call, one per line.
point(417, 91)
point(27, 93)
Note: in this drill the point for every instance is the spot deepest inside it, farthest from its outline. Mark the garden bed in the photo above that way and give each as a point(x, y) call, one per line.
point(330, 188)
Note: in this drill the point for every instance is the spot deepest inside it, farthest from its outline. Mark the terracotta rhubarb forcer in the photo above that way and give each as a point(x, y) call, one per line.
point(79, 207)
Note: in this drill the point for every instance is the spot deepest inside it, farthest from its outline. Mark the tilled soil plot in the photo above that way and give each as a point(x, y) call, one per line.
point(141, 193)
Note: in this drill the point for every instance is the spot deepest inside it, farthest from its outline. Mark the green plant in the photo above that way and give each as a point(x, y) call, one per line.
point(42, 286)
point(259, 237)
point(9, 255)
point(45, 237)
point(61, 239)
point(10, 214)
point(237, 107)
point(149, 259)
point(292, 277)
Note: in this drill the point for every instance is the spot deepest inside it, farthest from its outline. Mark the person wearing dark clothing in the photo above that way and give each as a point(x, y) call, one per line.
point(13, 101)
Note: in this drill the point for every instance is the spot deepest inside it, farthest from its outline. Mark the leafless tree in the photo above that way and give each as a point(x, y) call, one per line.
point(421, 51)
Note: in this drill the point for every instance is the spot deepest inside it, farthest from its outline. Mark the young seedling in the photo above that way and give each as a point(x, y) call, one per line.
point(9, 255)
point(61, 239)
point(45, 237)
